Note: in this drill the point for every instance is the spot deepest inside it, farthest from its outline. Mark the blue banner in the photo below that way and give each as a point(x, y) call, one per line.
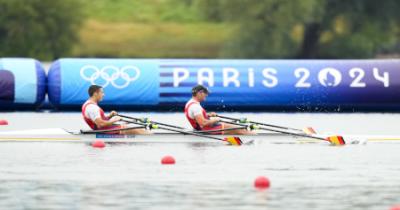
point(235, 83)
point(125, 81)
point(283, 82)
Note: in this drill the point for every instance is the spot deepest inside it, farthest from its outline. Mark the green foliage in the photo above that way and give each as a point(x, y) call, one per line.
point(306, 28)
point(43, 29)
point(368, 27)
point(48, 29)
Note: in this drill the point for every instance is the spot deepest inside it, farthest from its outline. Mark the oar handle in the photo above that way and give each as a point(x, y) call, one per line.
point(231, 118)
point(183, 132)
point(235, 123)
point(219, 130)
point(149, 121)
point(192, 133)
point(148, 126)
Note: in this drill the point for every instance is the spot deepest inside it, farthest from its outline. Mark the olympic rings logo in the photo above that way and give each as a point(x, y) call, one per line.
point(118, 77)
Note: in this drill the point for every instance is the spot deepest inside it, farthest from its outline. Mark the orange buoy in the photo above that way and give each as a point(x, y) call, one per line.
point(169, 160)
point(98, 144)
point(262, 182)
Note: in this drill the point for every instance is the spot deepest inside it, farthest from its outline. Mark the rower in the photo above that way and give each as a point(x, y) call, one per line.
point(201, 120)
point(96, 119)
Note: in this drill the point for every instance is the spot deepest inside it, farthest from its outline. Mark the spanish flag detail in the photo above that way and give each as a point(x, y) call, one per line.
point(336, 140)
point(234, 140)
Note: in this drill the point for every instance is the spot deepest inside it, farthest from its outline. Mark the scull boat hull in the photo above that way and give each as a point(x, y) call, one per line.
point(61, 135)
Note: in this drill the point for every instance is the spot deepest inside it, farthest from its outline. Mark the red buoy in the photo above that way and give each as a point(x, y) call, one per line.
point(396, 207)
point(262, 182)
point(98, 144)
point(168, 160)
point(3, 122)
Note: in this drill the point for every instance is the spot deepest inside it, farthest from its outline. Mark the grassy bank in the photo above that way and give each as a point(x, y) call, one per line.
point(156, 40)
point(148, 29)
point(145, 11)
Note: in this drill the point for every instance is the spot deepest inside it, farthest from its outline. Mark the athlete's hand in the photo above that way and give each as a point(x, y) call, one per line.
point(115, 119)
point(113, 113)
point(212, 114)
point(215, 119)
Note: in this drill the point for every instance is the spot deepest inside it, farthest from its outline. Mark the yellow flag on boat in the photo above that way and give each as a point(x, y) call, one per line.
point(234, 140)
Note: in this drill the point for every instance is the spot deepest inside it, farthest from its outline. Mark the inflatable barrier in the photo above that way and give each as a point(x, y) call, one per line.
point(125, 81)
point(234, 84)
point(22, 83)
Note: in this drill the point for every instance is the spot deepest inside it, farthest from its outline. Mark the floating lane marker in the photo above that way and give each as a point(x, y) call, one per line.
point(262, 183)
point(168, 160)
point(3, 122)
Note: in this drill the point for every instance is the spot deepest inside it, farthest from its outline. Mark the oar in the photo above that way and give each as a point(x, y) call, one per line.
point(109, 130)
point(335, 140)
point(218, 130)
point(147, 120)
point(307, 130)
point(231, 139)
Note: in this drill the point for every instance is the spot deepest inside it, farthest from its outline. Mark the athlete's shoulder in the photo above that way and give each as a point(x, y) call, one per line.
point(193, 105)
point(192, 101)
point(87, 103)
point(189, 102)
point(92, 106)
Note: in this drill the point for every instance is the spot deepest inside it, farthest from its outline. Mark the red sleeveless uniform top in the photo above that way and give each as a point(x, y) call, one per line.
point(193, 122)
point(89, 121)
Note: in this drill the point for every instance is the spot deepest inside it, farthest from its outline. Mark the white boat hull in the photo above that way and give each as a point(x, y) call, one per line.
point(61, 135)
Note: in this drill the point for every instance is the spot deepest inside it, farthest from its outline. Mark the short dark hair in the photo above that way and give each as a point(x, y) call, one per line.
point(93, 88)
point(199, 88)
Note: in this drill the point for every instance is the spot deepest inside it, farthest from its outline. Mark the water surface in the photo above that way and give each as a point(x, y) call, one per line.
point(130, 176)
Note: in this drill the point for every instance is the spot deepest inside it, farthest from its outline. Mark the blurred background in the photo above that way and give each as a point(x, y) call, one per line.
point(50, 29)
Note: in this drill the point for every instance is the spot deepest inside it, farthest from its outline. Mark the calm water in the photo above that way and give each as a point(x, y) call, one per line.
point(303, 176)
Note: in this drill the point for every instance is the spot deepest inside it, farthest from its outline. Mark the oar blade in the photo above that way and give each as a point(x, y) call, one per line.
point(336, 140)
point(236, 141)
point(309, 130)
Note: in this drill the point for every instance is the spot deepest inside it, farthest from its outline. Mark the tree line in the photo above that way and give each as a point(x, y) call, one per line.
point(47, 29)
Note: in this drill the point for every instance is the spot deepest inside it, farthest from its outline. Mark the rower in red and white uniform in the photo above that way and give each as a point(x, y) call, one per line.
point(96, 119)
point(201, 120)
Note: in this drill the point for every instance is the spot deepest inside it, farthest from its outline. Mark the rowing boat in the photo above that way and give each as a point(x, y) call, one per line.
point(62, 135)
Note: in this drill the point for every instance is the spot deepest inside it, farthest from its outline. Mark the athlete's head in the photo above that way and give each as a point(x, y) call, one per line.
point(200, 92)
point(96, 92)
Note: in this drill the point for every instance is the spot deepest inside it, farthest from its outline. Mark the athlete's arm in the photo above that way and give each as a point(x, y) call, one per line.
point(103, 123)
point(204, 122)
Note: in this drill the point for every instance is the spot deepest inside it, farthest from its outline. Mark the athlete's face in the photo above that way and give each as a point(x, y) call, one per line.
point(100, 94)
point(201, 96)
